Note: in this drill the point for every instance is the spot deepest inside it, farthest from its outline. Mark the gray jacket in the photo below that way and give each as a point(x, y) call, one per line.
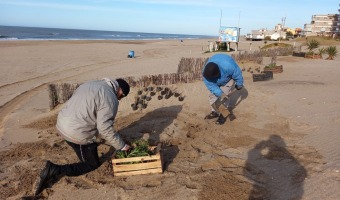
point(91, 111)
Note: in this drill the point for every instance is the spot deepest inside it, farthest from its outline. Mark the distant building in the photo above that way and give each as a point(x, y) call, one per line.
point(279, 27)
point(323, 25)
point(256, 34)
point(262, 34)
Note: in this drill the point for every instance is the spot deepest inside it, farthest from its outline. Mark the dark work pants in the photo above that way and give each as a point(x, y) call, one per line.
point(88, 156)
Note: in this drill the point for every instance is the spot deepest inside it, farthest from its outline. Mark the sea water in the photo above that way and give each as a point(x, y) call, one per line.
point(34, 33)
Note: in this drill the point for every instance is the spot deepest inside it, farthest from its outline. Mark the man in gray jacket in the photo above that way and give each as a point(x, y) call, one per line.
point(88, 113)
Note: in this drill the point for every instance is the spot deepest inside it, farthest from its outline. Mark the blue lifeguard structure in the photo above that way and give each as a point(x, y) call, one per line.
point(131, 54)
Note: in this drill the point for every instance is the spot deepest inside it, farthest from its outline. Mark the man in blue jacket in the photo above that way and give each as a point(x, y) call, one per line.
point(220, 73)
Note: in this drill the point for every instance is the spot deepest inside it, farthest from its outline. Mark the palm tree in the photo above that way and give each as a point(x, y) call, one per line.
point(332, 52)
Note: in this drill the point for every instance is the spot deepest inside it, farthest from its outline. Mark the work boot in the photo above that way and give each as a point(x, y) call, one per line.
point(212, 115)
point(220, 120)
point(49, 171)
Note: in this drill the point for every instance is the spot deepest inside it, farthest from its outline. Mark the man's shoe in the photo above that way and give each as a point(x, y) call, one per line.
point(212, 115)
point(220, 120)
point(43, 178)
point(232, 117)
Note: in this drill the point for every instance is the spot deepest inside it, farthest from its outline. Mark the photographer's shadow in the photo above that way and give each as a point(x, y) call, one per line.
point(275, 172)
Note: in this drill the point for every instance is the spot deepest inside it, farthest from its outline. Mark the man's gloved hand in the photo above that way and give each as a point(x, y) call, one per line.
point(238, 87)
point(223, 97)
point(126, 147)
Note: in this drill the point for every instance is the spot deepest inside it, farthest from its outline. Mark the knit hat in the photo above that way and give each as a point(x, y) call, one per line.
point(124, 86)
point(211, 71)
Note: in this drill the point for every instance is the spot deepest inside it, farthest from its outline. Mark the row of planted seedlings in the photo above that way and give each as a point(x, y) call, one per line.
point(146, 94)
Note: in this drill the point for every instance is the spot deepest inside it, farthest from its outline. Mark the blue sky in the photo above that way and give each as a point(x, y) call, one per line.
point(198, 17)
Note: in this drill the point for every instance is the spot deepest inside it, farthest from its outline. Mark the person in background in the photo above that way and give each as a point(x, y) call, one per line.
point(220, 74)
point(89, 113)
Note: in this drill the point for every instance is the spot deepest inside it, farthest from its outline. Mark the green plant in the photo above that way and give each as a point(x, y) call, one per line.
point(321, 51)
point(309, 53)
point(271, 65)
point(312, 44)
point(331, 52)
point(139, 148)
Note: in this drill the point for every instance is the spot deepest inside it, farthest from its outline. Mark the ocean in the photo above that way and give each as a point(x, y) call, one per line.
point(34, 33)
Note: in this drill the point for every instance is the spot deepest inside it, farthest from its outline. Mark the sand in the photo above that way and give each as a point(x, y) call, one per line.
point(281, 142)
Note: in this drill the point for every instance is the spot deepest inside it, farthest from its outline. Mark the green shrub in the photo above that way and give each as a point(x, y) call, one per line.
point(331, 52)
point(321, 51)
point(312, 44)
point(271, 65)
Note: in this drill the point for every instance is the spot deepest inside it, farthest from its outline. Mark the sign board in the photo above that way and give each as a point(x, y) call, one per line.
point(229, 34)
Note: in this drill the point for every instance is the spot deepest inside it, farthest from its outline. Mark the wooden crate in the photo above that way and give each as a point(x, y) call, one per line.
point(139, 165)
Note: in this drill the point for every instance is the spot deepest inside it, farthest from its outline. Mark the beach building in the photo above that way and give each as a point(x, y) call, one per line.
point(261, 34)
point(323, 25)
point(256, 35)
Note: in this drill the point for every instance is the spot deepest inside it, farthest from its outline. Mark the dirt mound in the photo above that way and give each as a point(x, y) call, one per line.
point(202, 159)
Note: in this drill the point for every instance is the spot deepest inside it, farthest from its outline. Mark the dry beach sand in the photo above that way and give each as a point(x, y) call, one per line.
point(281, 142)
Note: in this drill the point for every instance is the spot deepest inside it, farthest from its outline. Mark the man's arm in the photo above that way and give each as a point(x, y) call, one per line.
point(105, 118)
point(213, 88)
point(237, 77)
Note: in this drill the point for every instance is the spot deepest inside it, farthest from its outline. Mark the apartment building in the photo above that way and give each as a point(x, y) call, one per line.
point(324, 25)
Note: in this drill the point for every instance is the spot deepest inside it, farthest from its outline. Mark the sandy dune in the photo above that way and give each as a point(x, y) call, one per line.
point(280, 142)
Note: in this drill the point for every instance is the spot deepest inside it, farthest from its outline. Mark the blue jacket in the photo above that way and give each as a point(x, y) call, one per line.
point(228, 70)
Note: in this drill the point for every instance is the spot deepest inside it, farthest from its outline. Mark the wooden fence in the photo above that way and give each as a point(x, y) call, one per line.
point(189, 70)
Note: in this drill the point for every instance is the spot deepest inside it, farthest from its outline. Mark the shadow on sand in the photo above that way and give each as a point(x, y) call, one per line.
point(234, 101)
point(275, 173)
point(152, 124)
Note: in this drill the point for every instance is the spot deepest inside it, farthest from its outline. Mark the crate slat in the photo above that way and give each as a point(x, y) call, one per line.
point(135, 159)
point(147, 171)
point(138, 165)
